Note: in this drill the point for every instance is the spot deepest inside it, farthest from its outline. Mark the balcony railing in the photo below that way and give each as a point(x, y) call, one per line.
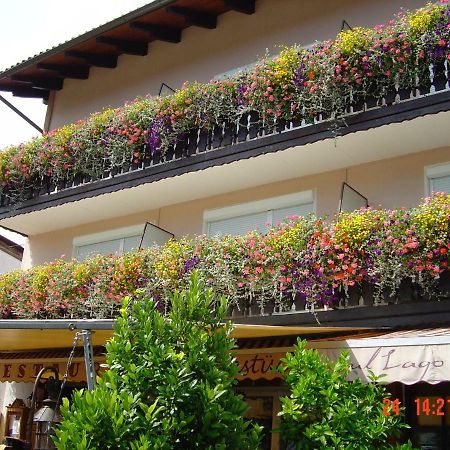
point(252, 136)
point(359, 306)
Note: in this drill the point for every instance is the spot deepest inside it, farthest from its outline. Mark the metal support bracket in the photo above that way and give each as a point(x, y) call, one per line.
point(21, 114)
point(89, 358)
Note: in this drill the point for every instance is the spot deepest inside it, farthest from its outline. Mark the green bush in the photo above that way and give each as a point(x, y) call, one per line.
point(325, 411)
point(169, 385)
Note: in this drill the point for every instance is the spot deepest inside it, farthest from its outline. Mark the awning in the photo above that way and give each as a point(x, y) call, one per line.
point(25, 366)
point(47, 334)
point(28, 345)
point(408, 357)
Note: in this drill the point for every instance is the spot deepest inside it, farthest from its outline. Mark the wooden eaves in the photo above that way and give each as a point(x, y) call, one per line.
point(160, 20)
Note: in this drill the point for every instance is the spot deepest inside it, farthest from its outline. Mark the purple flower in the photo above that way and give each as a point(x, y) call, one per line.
point(300, 76)
point(190, 264)
point(241, 92)
point(153, 137)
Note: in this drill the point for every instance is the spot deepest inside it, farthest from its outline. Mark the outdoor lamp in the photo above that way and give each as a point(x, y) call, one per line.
point(46, 416)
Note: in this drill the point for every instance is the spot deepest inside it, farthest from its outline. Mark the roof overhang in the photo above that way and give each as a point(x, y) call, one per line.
point(129, 34)
point(16, 335)
point(237, 168)
point(11, 248)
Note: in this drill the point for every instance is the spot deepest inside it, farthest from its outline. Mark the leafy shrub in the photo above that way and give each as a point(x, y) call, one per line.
point(325, 411)
point(169, 385)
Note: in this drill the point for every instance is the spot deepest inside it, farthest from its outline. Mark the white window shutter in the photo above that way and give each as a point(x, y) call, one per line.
point(440, 184)
point(131, 243)
point(100, 248)
point(238, 225)
point(279, 215)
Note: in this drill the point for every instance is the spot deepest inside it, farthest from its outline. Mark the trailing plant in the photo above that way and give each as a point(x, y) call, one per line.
point(329, 79)
point(326, 411)
point(304, 257)
point(169, 385)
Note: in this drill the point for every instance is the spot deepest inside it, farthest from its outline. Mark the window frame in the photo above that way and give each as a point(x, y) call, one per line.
point(259, 206)
point(105, 236)
point(435, 171)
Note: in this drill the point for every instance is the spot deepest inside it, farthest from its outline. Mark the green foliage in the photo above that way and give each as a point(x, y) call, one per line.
point(169, 384)
point(307, 256)
point(326, 411)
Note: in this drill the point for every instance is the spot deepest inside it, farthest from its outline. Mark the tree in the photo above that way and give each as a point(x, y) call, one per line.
point(169, 385)
point(326, 411)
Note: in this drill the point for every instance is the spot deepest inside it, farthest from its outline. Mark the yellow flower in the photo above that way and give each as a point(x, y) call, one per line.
point(422, 19)
point(350, 40)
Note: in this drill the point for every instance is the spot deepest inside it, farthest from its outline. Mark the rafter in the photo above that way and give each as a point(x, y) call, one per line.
point(53, 84)
point(30, 92)
point(160, 33)
point(195, 17)
point(94, 59)
point(243, 6)
point(77, 72)
point(139, 48)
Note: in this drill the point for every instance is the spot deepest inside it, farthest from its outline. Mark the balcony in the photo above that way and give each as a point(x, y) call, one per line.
point(373, 267)
point(370, 94)
point(239, 157)
point(358, 307)
point(229, 142)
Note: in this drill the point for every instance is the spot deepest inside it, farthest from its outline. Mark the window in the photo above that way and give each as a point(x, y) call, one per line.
point(235, 71)
point(251, 66)
point(112, 242)
point(259, 215)
point(438, 178)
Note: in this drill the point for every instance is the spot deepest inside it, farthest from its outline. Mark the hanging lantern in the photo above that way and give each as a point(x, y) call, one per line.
point(44, 418)
point(47, 415)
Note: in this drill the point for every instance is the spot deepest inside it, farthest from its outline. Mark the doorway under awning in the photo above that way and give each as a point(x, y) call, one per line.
point(408, 357)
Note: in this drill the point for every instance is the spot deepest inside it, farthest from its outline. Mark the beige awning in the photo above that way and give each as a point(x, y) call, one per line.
point(408, 357)
point(27, 346)
point(22, 338)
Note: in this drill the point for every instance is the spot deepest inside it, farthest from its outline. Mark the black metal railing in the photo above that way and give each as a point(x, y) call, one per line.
point(363, 295)
point(250, 128)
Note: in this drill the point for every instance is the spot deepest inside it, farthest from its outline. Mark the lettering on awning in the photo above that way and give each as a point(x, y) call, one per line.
point(26, 371)
point(259, 365)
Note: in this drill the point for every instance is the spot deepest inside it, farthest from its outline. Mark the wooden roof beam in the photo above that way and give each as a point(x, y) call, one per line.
point(94, 59)
point(30, 92)
point(53, 84)
point(138, 48)
point(159, 33)
point(195, 17)
point(243, 6)
point(77, 72)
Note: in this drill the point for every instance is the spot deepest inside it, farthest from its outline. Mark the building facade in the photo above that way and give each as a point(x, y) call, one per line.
point(389, 151)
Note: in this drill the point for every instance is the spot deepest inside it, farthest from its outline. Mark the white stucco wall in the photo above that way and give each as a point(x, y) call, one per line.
point(389, 183)
point(238, 40)
point(8, 262)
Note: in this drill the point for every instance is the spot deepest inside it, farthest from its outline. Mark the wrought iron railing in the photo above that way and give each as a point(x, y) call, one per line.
point(249, 128)
point(363, 295)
